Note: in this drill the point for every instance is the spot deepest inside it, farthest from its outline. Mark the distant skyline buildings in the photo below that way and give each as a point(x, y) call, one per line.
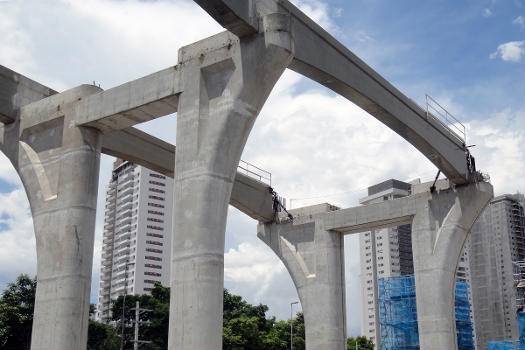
point(497, 246)
point(137, 233)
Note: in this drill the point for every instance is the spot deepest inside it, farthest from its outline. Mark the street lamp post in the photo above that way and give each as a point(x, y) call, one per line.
point(291, 323)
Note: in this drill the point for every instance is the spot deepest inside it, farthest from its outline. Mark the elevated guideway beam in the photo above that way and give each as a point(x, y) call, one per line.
point(249, 195)
point(321, 57)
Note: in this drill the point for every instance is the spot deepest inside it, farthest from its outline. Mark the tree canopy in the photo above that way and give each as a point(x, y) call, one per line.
point(363, 343)
point(245, 326)
point(16, 313)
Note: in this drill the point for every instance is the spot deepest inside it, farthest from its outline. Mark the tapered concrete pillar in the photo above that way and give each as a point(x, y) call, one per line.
point(59, 166)
point(314, 258)
point(439, 230)
point(226, 81)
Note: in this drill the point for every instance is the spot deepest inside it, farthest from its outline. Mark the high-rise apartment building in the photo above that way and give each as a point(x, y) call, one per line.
point(497, 245)
point(136, 246)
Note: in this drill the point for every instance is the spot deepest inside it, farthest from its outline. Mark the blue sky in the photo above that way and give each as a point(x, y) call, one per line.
point(466, 54)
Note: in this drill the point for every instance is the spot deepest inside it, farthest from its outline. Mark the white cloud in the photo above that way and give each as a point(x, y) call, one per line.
point(499, 150)
point(511, 51)
point(519, 21)
point(487, 12)
point(18, 247)
point(318, 11)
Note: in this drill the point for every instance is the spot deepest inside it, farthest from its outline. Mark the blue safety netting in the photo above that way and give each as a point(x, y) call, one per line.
point(398, 314)
point(504, 345)
point(463, 321)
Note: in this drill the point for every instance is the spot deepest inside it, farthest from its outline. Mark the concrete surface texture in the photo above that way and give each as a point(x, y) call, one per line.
point(226, 81)
point(314, 257)
point(58, 164)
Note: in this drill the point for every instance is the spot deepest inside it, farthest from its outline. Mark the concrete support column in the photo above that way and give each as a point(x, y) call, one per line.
point(226, 81)
point(439, 230)
point(314, 258)
point(58, 163)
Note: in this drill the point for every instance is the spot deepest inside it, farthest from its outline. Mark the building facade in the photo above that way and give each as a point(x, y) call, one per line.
point(497, 247)
point(137, 234)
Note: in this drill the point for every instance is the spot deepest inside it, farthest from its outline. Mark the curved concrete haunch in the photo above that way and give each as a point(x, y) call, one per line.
point(439, 231)
point(226, 81)
point(314, 257)
point(59, 165)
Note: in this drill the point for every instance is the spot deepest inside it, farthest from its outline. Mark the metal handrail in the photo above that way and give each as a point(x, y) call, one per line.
point(446, 119)
point(255, 172)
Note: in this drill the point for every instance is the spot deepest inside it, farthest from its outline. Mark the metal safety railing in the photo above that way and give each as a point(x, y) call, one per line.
point(440, 114)
point(255, 172)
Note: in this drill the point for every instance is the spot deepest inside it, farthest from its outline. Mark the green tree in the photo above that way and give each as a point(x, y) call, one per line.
point(102, 337)
point(16, 313)
point(244, 325)
point(363, 343)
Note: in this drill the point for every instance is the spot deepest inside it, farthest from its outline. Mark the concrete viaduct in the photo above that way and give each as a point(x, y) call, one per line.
point(219, 85)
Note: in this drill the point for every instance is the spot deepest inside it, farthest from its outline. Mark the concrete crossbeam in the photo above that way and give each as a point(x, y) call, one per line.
point(373, 216)
point(135, 102)
point(322, 58)
point(248, 194)
point(15, 91)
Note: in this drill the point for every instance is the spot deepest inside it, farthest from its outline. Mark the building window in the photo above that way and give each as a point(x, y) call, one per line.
point(153, 266)
point(154, 243)
point(155, 205)
point(156, 197)
point(155, 227)
point(155, 212)
point(149, 273)
point(156, 190)
point(154, 235)
point(157, 176)
point(155, 220)
point(151, 281)
point(157, 183)
point(153, 250)
point(156, 258)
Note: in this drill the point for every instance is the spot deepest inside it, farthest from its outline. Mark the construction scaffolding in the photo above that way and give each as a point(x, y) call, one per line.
point(519, 282)
point(398, 314)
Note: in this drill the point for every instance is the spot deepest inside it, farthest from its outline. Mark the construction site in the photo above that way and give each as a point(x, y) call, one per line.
point(398, 314)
